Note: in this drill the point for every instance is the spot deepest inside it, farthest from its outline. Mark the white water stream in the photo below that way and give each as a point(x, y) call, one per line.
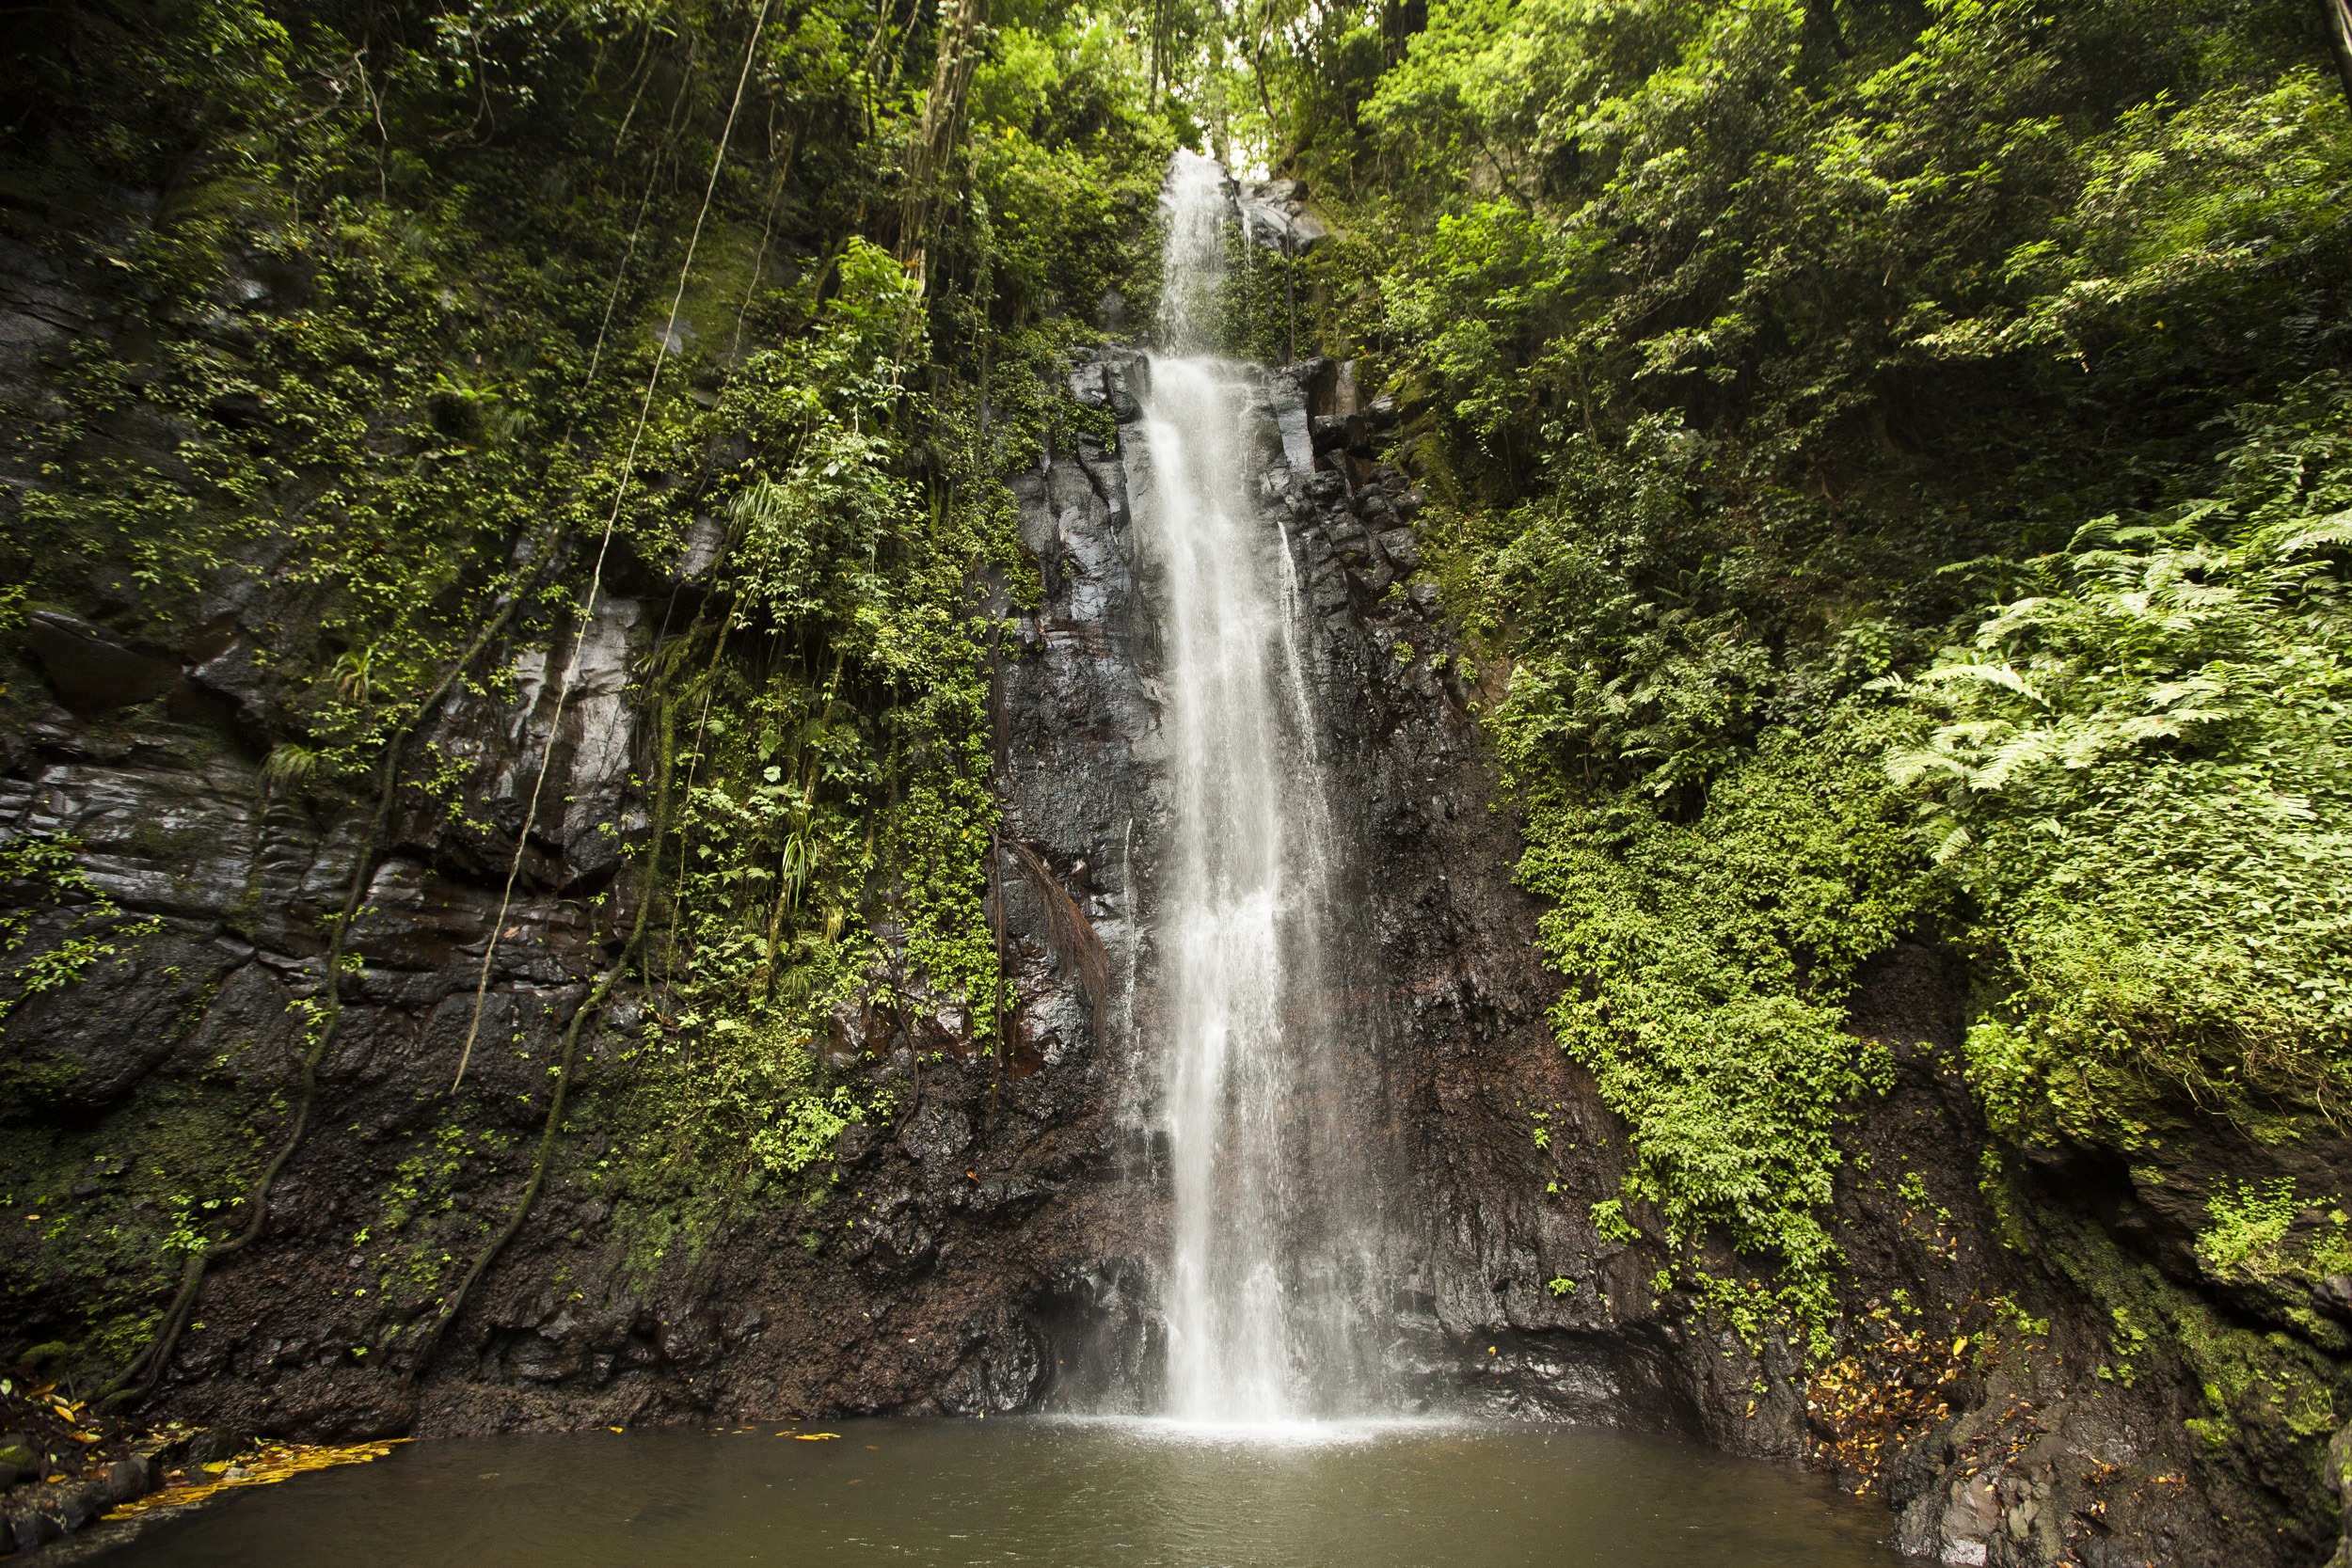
point(1269, 1291)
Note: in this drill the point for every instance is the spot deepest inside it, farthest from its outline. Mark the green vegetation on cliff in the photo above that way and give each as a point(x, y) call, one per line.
point(433, 326)
point(1894, 455)
point(1893, 461)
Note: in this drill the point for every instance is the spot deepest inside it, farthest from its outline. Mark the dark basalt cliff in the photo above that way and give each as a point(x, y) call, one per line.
point(993, 1249)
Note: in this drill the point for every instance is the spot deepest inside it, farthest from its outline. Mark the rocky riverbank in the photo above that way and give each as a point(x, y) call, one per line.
point(63, 1464)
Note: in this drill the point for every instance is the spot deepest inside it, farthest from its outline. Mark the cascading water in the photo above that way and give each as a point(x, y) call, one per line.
point(1270, 1282)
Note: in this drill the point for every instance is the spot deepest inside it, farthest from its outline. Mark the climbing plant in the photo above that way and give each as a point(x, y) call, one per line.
point(449, 317)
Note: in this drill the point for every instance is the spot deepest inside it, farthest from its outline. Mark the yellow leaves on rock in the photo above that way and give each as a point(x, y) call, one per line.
point(267, 1465)
point(1871, 1402)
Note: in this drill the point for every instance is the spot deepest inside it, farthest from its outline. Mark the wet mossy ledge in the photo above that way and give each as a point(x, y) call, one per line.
point(573, 643)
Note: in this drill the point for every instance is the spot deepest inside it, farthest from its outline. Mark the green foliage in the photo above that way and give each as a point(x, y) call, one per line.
point(1754, 354)
point(424, 1227)
point(2168, 694)
point(42, 872)
point(2277, 1249)
point(1610, 1222)
point(1066, 152)
point(1708, 963)
point(2248, 1219)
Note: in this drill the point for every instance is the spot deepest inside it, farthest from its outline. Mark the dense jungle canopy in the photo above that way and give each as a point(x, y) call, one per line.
point(1889, 462)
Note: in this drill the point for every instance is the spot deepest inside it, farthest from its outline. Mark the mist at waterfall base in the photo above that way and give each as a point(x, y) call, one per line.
point(1065, 1494)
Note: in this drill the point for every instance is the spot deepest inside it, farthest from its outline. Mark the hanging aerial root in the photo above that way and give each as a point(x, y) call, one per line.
point(139, 1378)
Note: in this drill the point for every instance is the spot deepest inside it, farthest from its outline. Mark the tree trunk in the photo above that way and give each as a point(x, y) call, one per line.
point(959, 23)
point(2339, 38)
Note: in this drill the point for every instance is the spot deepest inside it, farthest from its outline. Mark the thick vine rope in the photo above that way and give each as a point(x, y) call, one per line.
point(595, 578)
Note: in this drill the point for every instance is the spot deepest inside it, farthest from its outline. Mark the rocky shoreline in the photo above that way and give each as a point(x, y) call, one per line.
point(62, 1465)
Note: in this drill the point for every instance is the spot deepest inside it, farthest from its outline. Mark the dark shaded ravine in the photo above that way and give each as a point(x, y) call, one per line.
point(998, 1248)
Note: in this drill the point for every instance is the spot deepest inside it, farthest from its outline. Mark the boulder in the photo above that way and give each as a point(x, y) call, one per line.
point(92, 671)
point(126, 1479)
point(1401, 547)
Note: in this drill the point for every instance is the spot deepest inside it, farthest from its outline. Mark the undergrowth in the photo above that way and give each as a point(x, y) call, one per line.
point(1888, 465)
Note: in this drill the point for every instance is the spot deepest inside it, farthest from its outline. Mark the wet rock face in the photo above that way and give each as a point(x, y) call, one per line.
point(1507, 1301)
point(1278, 214)
point(1504, 1298)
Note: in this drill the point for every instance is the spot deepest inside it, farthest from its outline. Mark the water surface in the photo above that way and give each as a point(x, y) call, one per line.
point(1074, 1492)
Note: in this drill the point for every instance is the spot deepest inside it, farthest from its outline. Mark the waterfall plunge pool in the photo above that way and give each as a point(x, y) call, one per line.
point(1067, 1492)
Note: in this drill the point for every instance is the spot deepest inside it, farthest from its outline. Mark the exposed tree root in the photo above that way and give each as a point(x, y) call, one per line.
point(139, 1378)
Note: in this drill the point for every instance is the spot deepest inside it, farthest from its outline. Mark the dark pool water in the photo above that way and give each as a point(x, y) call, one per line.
point(1084, 1494)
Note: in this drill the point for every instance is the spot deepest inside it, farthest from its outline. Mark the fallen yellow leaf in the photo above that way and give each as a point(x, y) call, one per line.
point(275, 1463)
point(815, 1436)
point(613, 1429)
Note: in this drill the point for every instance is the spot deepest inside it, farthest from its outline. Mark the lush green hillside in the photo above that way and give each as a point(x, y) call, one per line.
point(443, 325)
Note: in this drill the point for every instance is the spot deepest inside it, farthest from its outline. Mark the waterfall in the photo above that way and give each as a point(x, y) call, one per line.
point(1271, 1285)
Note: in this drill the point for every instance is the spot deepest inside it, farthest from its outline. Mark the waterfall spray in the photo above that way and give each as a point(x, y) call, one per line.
point(1266, 1289)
